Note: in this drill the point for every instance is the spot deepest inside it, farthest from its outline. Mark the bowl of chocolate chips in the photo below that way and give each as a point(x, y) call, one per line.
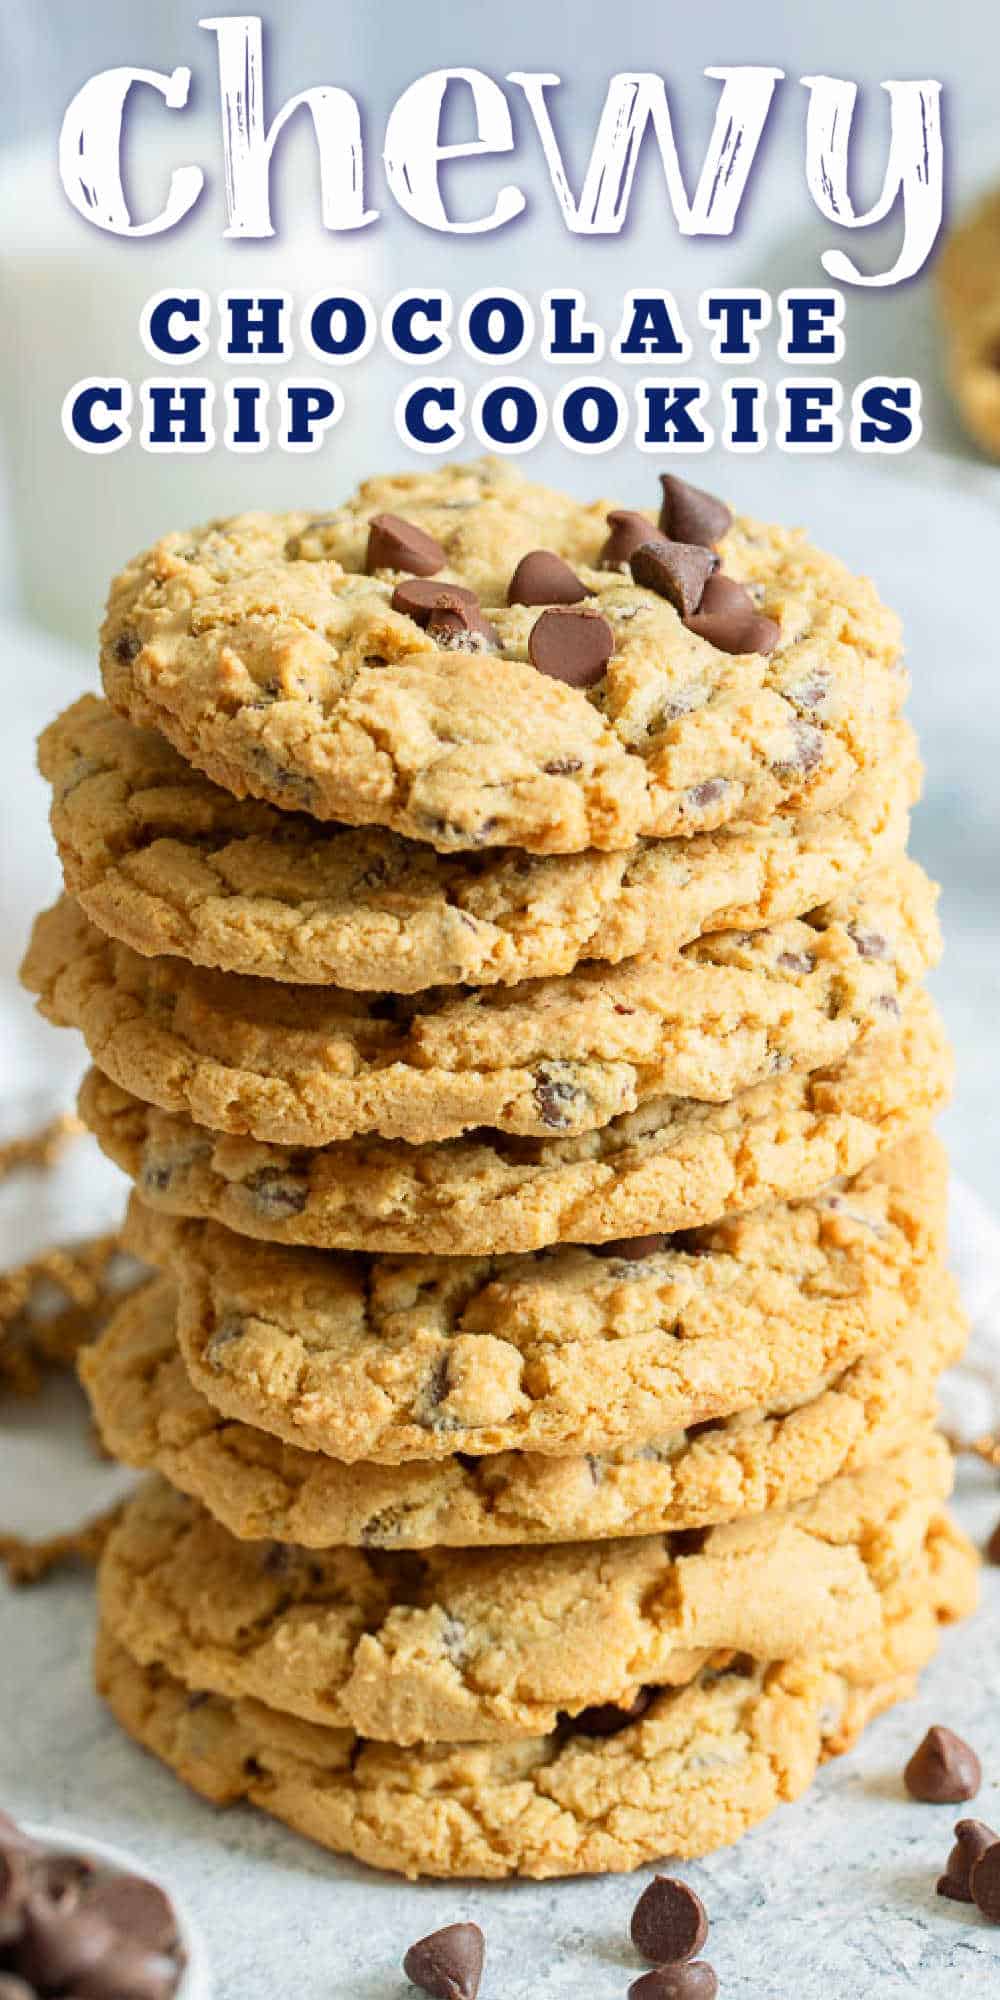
point(79, 1921)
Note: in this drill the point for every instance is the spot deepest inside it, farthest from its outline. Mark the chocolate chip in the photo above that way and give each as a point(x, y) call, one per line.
point(693, 1981)
point(397, 544)
point(943, 1769)
point(543, 578)
point(571, 646)
point(276, 1196)
point(669, 1922)
point(128, 646)
point(993, 1546)
point(869, 944)
point(460, 628)
point(797, 961)
point(606, 1718)
point(62, 1877)
point(806, 751)
point(972, 1838)
point(15, 1879)
point(729, 620)
point(129, 1971)
point(556, 1098)
point(628, 533)
point(688, 514)
point(632, 1248)
point(677, 571)
point(984, 1881)
point(59, 1944)
point(724, 594)
point(708, 793)
point(448, 1963)
point(418, 597)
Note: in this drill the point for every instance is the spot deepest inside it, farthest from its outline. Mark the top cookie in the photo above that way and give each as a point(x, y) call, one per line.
point(410, 662)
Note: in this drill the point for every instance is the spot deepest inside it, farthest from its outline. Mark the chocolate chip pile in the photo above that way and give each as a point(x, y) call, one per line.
point(74, 1928)
point(489, 917)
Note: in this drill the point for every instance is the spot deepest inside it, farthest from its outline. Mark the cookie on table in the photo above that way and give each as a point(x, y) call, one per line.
point(151, 1415)
point(304, 1066)
point(483, 1645)
point(968, 285)
point(167, 862)
point(673, 1164)
point(562, 1804)
point(368, 666)
point(391, 1359)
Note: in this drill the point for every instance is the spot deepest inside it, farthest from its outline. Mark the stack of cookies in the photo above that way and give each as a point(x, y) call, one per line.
point(490, 921)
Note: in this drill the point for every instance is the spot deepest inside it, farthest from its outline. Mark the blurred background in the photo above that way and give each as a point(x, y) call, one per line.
point(925, 525)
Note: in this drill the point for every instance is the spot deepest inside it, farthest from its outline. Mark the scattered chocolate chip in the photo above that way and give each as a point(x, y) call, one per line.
point(972, 1838)
point(438, 1382)
point(416, 597)
point(869, 944)
point(723, 594)
point(943, 1769)
point(606, 1718)
point(677, 571)
point(806, 751)
point(689, 514)
point(632, 1248)
point(797, 961)
point(61, 1878)
point(728, 618)
point(448, 1963)
point(556, 1097)
point(397, 544)
point(993, 1546)
point(628, 532)
point(128, 646)
point(59, 1944)
point(460, 628)
point(984, 1881)
point(811, 693)
point(669, 1922)
point(275, 1195)
point(542, 577)
point(694, 1980)
point(128, 1972)
point(15, 1880)
point(571, 646)
point(708, 793)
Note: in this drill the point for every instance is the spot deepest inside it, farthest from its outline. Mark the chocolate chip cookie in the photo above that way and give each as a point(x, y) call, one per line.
point(381, 666)
point(481, 1645)
point(304, 1066)
point(570, 1351)
point(691, 1771)
point(151, 1415)
point(673, 1164)
point(167, 862)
